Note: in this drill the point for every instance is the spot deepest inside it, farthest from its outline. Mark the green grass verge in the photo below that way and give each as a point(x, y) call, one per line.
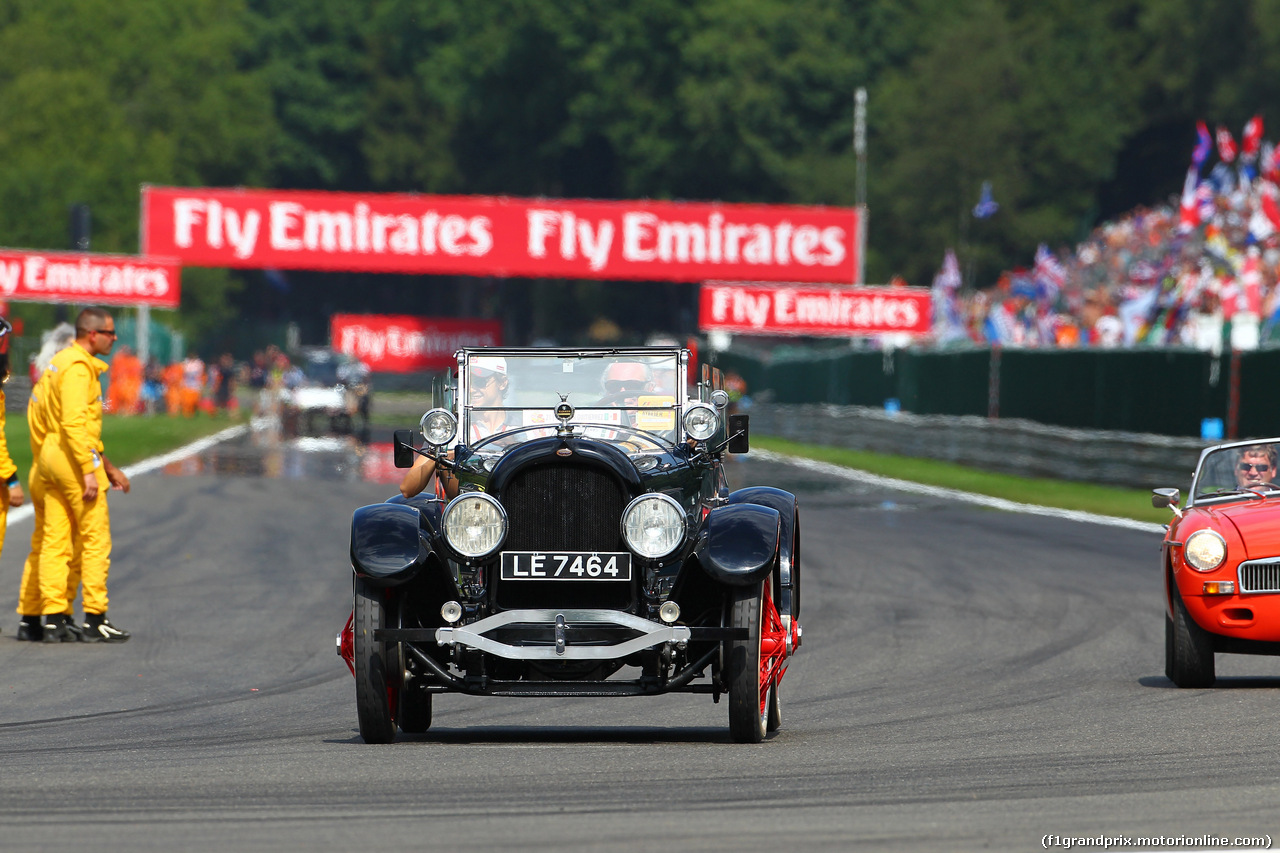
point(1104, 500)
point(128, 440)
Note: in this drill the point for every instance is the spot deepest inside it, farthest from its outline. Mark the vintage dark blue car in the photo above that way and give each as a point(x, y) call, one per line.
point(581, 540)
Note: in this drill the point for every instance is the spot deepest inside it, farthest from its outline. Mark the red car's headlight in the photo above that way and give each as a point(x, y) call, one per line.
point(1205, 550)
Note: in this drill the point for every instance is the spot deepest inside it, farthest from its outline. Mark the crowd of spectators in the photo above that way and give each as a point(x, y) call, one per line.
point(1200, 272)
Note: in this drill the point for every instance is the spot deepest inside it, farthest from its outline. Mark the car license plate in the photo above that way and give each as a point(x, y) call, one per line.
point(566, 566)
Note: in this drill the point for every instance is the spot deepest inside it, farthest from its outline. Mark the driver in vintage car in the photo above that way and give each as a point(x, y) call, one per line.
point(623, 382)
point(1256, 466)
point(488, 383)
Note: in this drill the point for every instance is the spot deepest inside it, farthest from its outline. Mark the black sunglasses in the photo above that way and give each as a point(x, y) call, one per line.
point(1250, 466)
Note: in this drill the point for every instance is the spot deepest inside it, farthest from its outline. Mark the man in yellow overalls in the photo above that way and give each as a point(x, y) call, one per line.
point(57, 339)
point(74, 476)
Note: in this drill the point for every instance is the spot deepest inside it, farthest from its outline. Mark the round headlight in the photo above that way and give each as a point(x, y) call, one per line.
point(474, 524)
point(700, 422)
point(1205, 550)
point(653, 525)
point(438, 427)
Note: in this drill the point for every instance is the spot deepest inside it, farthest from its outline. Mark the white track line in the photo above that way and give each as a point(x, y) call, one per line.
point(857, 476)
point(146, 466)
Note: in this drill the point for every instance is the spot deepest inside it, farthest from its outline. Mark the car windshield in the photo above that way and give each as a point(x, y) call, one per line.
point(321, 369)
point(1238, 471)
point(631, 398)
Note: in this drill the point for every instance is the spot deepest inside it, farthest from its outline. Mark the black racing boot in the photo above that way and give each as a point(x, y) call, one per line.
point(98, 629)
point(75, 632)
point(55, 629)
point(29, 629)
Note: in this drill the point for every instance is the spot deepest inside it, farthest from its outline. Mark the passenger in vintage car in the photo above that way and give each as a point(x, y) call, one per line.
point(489, 385)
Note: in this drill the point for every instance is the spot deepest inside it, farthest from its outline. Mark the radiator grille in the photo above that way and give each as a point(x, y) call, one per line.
point(1262, 576)
point(564, 507)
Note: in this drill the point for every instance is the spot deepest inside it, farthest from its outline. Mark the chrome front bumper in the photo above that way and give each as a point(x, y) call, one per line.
point(652, 634)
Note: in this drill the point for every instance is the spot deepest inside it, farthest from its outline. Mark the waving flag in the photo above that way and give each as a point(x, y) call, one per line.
point(1049, 267)
point(1251, 139)
point(1205, 201)
point(948, 320)
point(1266, 160)
point(1050, 274)
point(1189, 208)
point(1270, 207)
point(1226, 145)
point(986, 206)
point(1203, 146)
point(948, 278)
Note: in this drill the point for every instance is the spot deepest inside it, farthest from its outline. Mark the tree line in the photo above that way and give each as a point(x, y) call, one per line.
point(1073, 110)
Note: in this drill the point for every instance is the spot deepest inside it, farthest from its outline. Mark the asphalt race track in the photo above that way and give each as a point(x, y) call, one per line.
point(970, 679)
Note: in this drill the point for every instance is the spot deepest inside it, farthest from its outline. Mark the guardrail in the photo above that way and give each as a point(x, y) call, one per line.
point(1009, 446)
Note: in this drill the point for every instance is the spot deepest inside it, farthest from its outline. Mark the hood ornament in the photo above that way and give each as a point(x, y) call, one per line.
point(564, 414)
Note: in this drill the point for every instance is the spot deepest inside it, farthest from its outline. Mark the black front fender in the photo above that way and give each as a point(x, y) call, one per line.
point(738, 544)
point(387, 546)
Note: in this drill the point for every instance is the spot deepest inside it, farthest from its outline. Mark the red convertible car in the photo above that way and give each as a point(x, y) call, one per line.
point(1221, 561)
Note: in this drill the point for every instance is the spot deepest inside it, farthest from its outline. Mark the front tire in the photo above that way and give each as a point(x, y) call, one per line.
point(749, 691)
point(376, 686)
point(1188, 648)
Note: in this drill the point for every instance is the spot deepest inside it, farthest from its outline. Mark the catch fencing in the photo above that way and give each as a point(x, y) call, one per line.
point(1160, 391)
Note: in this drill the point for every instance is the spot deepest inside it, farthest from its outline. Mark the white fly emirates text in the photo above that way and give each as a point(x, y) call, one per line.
point(33, 276)
point(685, 241)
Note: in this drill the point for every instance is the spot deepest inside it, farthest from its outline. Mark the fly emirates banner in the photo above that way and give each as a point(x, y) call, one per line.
point(86, 277)
point(771, 309)
point(490, 236)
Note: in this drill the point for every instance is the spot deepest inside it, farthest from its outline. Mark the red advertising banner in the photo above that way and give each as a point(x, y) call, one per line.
point(489, 236)
point(88, 278)
point(770, 309)
point(398, 344)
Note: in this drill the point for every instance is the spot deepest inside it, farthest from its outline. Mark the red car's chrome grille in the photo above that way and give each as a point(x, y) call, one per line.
point(1260, 576)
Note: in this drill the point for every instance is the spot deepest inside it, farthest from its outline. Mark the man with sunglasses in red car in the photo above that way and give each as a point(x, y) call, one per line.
point(1256, 465)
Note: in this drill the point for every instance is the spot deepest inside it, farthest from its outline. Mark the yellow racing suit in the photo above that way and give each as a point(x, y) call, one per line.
point(38, 428)
point(71, 449)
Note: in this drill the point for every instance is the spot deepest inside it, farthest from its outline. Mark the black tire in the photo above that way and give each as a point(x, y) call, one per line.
point(374, 707)
point(1188, 648)
point(748, 707)
point(415, 711)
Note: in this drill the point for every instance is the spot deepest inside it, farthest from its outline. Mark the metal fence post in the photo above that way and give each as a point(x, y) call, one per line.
point(993, 384)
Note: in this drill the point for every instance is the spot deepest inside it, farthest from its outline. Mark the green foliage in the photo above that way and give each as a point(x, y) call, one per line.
point(1038, 104)
point(98, 97)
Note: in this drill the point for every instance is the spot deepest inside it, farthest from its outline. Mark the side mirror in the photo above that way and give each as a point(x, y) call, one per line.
point(739, 434)
point(402, 448)
point(1162, 498)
